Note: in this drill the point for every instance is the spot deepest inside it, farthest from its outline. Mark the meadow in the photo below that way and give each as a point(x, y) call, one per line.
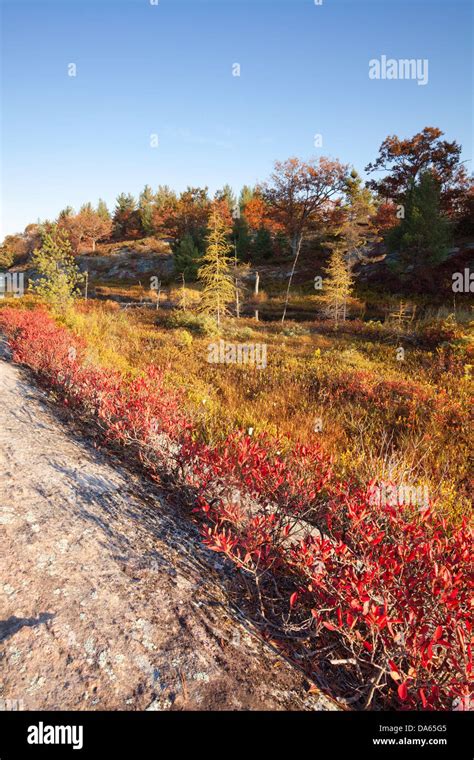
point(334, 478)
point(381, 414)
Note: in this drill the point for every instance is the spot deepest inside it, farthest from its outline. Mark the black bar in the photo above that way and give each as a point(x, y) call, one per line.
point(158, 734)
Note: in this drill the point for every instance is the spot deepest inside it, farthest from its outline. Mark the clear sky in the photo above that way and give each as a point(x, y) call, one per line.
point(166, 70)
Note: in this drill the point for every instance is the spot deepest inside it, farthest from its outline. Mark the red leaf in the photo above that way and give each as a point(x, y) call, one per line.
point(403, 690)
point(393, 666)
point(293, 598)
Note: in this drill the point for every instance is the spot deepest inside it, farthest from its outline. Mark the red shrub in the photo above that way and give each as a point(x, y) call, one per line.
point(393, 582)
point(389, 585)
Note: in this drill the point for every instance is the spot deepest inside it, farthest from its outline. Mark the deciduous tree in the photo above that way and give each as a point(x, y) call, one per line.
point(404, 160)
point(297, 194)
point(189, 215)
point(13, 247)
point(163, 211)
point(88, 227)
point(93, 227)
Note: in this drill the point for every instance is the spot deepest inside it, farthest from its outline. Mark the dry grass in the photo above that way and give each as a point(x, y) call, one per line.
point(308, 379)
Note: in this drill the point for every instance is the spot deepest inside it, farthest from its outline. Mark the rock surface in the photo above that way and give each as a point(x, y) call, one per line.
point(108, 600)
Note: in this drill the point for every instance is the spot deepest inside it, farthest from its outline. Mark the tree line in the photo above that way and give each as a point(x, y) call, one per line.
point(424, 197)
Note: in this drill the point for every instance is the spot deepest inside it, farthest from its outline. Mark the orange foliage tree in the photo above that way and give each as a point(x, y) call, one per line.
point(298, 196)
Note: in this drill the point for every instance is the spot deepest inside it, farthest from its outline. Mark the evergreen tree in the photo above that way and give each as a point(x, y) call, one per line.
point(242, 237)
point(227, 194)
point(145, 208)
point(164, 196)
point(102, 210)
point(216, 272)
point(246, 195)
point(58, 272)
point(422, 238)
point(187, 257)
point(124, 215)
point(356, 229)
point(262, 245)
point(337, 285)
point(66, 213)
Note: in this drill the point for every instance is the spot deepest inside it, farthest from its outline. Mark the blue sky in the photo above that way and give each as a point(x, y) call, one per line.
point(166, 69)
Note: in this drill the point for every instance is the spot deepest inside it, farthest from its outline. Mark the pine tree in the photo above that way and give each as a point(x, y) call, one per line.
point(164, 197)
point(246, 195)
point(358, 210)
point(66, 212)
point(422, 238)
point(58, 272)
point(337, 284)
point(228, 195)
point(187, 258)
point(123, 219)
point(216, 271)
point(145, 208)
point(262, 245)
point(242, 237)
point(102, 210)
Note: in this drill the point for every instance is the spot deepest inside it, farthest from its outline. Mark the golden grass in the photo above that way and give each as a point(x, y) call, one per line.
point(294, 391)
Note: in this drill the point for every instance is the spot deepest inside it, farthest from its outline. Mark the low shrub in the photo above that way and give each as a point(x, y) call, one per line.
point(199, 324)
point(386, 588)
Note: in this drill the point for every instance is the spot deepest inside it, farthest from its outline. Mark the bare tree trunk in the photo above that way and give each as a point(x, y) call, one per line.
point(183, 303)
point(237, 299)
point(257, 282)
point(295, 247)
point(87, 284)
